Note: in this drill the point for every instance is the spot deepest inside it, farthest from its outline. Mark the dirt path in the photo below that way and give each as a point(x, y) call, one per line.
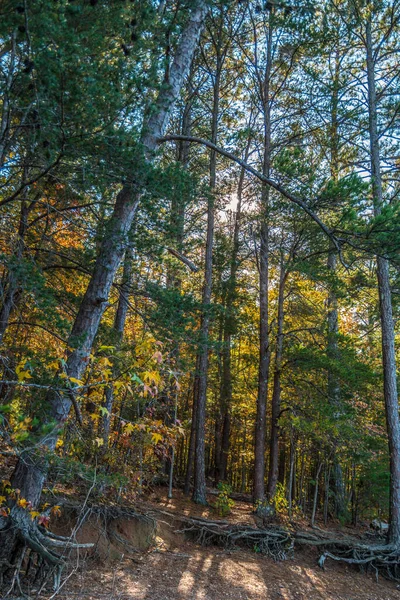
point(177, 569)
point(210, 574)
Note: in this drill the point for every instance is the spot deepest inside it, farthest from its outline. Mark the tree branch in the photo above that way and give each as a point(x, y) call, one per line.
point(260, 176)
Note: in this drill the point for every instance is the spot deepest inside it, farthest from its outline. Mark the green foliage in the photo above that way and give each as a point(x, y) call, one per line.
point(224, 504)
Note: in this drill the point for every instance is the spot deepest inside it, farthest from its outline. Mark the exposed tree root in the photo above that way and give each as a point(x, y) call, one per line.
point(30, 551)
point(274, 542)
point(383, 559)
point(30, 554)
point(279, 543)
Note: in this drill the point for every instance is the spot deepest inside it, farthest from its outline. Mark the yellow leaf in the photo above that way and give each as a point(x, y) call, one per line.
point(53, 365)
point(156, 437)
point(105, 362)
point(99, 441)
point(129, 427)
point(56, 510)
point(23, 375)
point(22, 502)
point(77, 381)
point(34, 514)
point(59, 443)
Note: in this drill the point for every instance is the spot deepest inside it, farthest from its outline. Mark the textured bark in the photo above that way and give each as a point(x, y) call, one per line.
point(193, 428)
point(264, 349)
point(30, 472)
point(199, 488)
point(386, 312)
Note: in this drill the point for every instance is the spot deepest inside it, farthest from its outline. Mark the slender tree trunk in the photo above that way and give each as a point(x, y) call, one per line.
point(199, 488)
point(193, 428)
point(264, 349)
point(177, 222)
point(276, 394)
point(332, 316)
point(386, 313)
point(315, 500)
point(119, 328)
point(229, 329)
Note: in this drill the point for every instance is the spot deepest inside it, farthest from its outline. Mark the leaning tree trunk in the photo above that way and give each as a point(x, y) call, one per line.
point(30, 471)
point(386, 313)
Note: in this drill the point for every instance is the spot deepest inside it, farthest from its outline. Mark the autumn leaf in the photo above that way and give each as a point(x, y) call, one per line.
point(23, 503)
point(129, 428)
point(158, 356)
point(44, 521)
point(156, 437)
point(56, 510)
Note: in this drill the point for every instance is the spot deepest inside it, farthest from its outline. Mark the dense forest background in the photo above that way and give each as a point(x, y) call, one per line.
point(199, 206)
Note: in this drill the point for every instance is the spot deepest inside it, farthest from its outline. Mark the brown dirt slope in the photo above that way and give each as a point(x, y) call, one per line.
point(176, 569)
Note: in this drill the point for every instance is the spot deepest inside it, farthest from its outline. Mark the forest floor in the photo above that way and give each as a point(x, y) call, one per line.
point(178, 569)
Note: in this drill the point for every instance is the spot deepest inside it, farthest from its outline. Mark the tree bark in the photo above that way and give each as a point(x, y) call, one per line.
point(386, 312)
point(276, 393)
point(199, 487)
point(264, 349)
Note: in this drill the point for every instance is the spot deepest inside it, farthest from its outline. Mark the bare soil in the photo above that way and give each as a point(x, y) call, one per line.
point(177, 569)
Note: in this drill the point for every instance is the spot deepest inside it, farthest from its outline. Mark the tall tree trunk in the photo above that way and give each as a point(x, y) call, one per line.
point(177, 221)
point(199, 487)
point(386, 314)
point(276, 393)
point(30, 470)
point(229, 329)
point(264, 349)
point(332, 316)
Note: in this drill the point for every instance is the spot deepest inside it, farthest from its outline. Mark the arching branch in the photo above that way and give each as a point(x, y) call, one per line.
point(261, 177)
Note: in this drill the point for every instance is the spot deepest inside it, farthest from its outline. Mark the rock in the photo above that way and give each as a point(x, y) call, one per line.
point(379, 525)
